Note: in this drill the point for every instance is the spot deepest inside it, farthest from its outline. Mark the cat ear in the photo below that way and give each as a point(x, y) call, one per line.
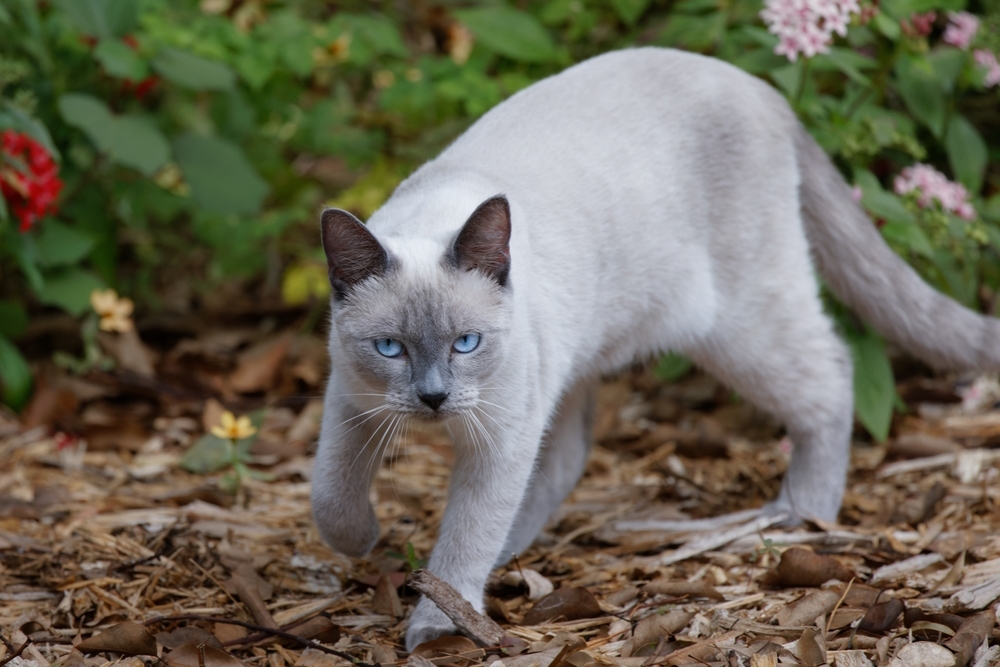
point(352, 253)
point(483, 243)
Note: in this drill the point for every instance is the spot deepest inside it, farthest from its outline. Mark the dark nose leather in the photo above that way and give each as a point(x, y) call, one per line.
point(433, 401)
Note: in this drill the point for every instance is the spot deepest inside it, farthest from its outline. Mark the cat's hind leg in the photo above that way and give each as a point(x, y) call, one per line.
point(785, 358)
point(558, 468)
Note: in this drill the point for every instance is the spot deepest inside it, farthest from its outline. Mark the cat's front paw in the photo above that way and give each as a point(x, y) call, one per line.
point(427, 623)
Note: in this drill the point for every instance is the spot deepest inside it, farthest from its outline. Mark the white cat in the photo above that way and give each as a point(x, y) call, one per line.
point(645, 200)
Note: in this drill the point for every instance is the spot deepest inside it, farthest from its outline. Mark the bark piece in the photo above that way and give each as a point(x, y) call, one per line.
point(479, 628)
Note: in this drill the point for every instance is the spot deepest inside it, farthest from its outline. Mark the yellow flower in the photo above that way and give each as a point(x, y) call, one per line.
point(116, 313)
point(232, 428)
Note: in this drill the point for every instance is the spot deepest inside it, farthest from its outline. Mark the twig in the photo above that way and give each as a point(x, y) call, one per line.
point(17, 653)
point(308, 643)
point(483, 630)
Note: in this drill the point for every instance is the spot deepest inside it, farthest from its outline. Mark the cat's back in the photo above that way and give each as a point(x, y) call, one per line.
point(611, 102)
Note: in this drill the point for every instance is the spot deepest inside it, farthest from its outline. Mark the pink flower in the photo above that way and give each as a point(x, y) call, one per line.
point(962, 28)
point(988, 59)
point(856, 193)
point(807, 26)
point(931, 185)
point(919, 24)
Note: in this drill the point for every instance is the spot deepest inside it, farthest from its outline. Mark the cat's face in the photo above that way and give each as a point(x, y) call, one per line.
point(420, 340)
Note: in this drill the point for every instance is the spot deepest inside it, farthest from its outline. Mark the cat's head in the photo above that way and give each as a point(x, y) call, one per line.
point(420, 330)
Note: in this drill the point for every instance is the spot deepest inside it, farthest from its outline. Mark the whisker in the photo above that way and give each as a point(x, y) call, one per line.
point(364, 447)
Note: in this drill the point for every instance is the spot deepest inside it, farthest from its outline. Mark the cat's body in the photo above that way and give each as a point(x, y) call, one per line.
point(655, 201)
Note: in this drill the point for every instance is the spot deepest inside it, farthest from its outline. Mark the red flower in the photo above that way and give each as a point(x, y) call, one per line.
point(29, 178)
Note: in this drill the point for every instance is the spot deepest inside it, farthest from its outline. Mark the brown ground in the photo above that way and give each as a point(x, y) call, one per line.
point(106, 530)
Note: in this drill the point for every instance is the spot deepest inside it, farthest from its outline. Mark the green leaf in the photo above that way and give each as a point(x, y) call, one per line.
point(70, 290)
point(630, 10)
point(14, 118)
point(874, 386)
point(129, 140)
point(13, 319)
point(877, 201)
point(673, 366)
point(209, 453)
point(967, 152)
point(922, 91)
point(221, 178)
point(909, 235)
point(902, 9)
point(850, 63)
point(59, 244)
point(15, 376)
point(887, 26)
point(120, 61)
point(510, 32)
point(947, 64)
point(101, 18)
point(193, 72)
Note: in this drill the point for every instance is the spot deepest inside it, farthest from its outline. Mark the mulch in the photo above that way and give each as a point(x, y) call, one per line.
point(110, 552)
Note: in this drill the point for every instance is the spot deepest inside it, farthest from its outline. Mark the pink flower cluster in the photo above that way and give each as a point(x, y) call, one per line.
point(961, 30)
point(930, 185)
point(988, 59)
point(807, 26)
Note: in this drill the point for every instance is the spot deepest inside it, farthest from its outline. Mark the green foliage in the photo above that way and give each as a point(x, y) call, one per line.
point(182, 126)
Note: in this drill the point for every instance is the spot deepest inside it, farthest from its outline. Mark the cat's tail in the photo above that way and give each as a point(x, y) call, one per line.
point(869, 277)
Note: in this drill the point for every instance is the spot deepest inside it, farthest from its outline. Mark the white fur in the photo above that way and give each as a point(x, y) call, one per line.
point(655, 205)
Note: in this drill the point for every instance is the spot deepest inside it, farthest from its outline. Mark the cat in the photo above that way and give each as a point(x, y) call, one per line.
point(642, 201)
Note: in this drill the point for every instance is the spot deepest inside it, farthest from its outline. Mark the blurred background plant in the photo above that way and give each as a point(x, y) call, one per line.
point(176, 150)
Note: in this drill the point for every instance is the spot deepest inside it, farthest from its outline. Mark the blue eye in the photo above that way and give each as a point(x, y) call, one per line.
point(389, 347)
point(466, 343)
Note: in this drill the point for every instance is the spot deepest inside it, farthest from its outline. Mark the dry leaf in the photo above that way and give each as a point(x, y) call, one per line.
point(923, 654)
point(385, 599)
point(200, 655)
point(127, 637)
point(656, 626)
point(186, 634)
point(694, 589)
point(452, 650)
point(806, 609)
point(970, 636)
point(802, 567)
point(809, 648)
point(566, 603)
point(882, 617)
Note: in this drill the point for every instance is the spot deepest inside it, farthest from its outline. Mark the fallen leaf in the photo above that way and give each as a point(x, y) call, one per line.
point(318, 628)
point(970, 636)
point(694, 589)
point(810, 649)
point(656, 626)
point(385, 599)
point(451, 650)
point(538, 586)
point(200, 655)
point(127, 637)
point(802, 567)
point(566, 603)
point(258, 367)
point(923, 654)
point(882, 617)
point(806, 609)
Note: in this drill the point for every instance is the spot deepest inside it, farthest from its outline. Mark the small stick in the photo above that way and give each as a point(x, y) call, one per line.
point(17, 653)
point(482, 630)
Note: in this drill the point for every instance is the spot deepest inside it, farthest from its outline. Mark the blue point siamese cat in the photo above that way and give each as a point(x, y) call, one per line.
point(642, 201)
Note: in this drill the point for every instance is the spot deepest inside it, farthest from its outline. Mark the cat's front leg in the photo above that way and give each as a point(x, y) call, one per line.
point(350, 448)
point(494, 460)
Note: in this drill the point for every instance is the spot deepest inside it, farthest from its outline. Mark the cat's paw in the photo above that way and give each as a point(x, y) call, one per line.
point(427, 623)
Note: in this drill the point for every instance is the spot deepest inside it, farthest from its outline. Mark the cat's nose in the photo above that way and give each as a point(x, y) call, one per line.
point(433, 401)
